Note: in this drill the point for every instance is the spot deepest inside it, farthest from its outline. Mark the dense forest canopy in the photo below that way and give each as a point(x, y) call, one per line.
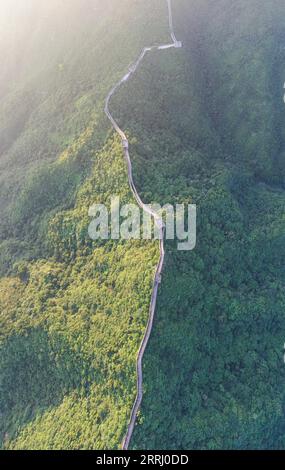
point(206, 126)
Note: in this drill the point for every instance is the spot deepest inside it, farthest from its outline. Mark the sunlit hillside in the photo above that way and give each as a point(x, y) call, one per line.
point(206, 126)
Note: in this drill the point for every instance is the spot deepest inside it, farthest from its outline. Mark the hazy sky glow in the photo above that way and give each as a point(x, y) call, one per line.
point(12, 7)
point(11, 10)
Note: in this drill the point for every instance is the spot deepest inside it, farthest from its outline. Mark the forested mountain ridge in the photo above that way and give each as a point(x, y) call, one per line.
point(54, 82)
point(59, 303)
point(205, 126)
point(214, 372)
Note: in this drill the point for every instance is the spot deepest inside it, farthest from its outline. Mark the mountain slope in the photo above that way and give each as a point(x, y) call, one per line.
point(214, 373)
point(205, 125)
point(66, 321)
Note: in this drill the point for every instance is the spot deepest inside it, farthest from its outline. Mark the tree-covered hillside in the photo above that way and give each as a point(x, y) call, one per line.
point(205, 125)
point(214, 372)
point(72, 312)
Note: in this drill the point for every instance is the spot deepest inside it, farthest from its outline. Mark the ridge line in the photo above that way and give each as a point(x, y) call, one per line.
point(155, 215)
